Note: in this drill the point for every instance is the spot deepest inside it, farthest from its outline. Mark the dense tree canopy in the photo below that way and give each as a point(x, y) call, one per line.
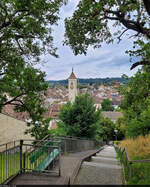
point(79, 119)
point(23, 87)
point(91, 24)
point(25, 34)
point(106, 105)
point(136, 104)
point(25, 28)
point(106, 129)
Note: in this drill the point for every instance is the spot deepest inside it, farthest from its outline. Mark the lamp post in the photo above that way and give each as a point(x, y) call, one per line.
point(116, 133)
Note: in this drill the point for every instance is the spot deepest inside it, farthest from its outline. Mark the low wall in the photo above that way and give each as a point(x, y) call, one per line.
point(12, 129)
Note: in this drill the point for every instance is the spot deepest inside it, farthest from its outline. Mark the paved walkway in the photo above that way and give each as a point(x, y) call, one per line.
point(70, 165)
point(103, 169)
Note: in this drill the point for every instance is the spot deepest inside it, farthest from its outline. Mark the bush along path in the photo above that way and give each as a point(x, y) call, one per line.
point(104, 168)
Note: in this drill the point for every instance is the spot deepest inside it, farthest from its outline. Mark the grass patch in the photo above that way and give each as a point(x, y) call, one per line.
point(138, 149)
point(141, 174)
point(116, 142)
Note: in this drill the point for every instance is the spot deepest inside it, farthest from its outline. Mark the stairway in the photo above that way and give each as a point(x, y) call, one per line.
point(104, 168)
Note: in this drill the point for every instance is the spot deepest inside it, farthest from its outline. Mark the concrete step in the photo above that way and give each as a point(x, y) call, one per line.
point(93, 175)
point(34, 179)
point(105, 160)
point(106, 150)
point(102, 165)
point(110, 153)
point(102, 170)
point(106, 155)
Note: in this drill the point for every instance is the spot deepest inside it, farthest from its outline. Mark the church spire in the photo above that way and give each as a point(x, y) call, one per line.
point(72, 76)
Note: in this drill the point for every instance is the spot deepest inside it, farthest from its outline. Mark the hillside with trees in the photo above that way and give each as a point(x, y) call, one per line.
point(91, 81)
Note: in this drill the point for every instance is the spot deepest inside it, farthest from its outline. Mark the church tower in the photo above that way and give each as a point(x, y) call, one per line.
point(72, 86)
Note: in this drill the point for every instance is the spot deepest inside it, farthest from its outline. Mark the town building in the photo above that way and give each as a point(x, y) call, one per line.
point(72, 86)
point(112, 115)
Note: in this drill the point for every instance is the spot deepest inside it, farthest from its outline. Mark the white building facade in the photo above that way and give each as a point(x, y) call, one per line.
point(72, 86)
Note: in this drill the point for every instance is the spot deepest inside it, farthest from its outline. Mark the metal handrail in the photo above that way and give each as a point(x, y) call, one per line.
point(12, 157)
point(15, 152)
point(41, 146)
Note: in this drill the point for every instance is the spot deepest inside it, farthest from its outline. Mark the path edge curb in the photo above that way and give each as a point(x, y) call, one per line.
point(75, 172)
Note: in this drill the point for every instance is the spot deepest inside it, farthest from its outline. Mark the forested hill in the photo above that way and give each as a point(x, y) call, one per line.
point(91, 80)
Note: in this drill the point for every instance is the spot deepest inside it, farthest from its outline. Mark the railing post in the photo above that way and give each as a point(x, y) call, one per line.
point(21, 144)
point(65, 147)
point(1, 168)
point(121, 156)
point(6, 157)
point(59, 160)
point(130, 171)
point(24, 162)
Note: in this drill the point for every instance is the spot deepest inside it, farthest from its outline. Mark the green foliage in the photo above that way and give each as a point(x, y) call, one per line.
point(120, 127)
point(91, 25)
point(80, 118)
point(140, 172)
point(106, 105)
point(24, 21)
point(25, 34)
point(24, 85)
point(141, 52)
point(116, 142)
point(39, 128)
point(136, 104)
point(106, 129)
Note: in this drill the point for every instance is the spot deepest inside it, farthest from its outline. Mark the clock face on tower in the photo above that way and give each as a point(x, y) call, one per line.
point(71, 85)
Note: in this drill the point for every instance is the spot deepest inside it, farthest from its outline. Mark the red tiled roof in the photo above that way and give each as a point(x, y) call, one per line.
point(9, 110)
point(53, 111)
point(112, 115)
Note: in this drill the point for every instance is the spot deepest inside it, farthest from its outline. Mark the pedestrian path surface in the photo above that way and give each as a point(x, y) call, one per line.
point(104, 168)
point(70, 165)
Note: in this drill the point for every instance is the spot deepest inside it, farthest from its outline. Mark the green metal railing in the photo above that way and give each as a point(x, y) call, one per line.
point(38, 155)
point(28, 156)
point(9, 160)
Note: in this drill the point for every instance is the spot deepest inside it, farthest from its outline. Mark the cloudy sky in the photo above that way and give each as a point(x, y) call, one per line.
point(107, 61)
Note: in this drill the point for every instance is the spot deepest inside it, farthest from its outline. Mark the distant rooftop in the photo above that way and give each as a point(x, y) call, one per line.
point(112, 115)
